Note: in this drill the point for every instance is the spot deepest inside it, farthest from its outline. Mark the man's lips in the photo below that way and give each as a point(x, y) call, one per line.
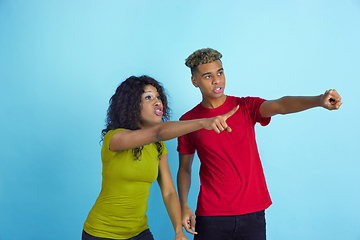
point(159, 111)
point(218, 90)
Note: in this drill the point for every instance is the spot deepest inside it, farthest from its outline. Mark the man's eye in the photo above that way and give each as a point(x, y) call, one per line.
point(220, 73)
point(207, 77)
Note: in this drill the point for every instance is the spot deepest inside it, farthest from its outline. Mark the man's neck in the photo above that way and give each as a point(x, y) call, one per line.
point(213, 103)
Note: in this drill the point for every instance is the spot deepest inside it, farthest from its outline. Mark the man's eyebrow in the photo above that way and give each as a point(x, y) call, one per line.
point(220, 69)
point(206, 73)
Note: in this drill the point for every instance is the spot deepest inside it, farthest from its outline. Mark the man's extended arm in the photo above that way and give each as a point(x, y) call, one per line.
point(330, 100)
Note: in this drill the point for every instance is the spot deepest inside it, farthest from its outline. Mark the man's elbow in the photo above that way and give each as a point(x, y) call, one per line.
point(184, 172)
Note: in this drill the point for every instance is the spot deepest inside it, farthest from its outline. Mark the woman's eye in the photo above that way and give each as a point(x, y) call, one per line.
point(159, 97)
point(148, 97)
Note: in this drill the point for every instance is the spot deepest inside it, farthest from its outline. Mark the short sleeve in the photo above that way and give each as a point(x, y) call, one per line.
point(253, 105)
point(106, 153)
point(185, 146)
point(164, 152)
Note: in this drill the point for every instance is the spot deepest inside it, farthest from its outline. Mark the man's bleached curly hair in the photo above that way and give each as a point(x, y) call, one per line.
point(202, 56)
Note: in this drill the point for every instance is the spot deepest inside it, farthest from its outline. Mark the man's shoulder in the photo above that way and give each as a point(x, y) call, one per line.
point(191, 114)
point(235, 98)
point(199, 112)
point(246, 100)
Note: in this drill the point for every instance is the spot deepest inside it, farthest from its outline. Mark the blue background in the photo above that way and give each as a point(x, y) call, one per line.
point(60, 61)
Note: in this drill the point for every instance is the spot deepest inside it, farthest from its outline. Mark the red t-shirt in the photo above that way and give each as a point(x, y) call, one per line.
point(231, 175)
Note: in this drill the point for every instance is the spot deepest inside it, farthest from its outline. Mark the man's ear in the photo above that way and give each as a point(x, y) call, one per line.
point(193, 80)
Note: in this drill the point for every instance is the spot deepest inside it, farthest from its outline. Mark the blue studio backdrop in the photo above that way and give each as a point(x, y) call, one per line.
point(60, 62)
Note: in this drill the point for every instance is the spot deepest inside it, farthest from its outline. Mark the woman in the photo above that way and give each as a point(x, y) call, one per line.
point(133, 156)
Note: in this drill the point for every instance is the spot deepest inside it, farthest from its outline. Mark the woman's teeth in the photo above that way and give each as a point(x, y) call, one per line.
point(158, 112)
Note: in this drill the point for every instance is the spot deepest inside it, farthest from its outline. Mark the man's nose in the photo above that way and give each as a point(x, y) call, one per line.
point(216, 79)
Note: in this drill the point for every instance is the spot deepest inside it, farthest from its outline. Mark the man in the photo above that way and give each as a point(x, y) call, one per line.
point(233, 193)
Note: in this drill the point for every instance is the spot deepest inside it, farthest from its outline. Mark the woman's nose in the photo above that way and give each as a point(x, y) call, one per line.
point(157, 102)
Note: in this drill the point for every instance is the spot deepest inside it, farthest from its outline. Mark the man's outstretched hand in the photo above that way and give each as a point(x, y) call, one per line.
point(331, 100)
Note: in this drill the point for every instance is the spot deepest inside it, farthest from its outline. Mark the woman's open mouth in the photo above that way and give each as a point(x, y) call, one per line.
point(159, 111)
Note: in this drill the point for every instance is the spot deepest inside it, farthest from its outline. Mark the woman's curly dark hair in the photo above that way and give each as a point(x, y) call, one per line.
point(124, 107)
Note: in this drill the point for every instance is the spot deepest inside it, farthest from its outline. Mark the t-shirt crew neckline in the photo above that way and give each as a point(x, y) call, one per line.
point(215, 109)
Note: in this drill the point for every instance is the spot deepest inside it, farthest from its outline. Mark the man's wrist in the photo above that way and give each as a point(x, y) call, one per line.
point(320, 100)
point(183, 204)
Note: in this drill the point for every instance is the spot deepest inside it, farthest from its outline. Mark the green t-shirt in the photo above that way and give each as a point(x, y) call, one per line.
point(120, 210)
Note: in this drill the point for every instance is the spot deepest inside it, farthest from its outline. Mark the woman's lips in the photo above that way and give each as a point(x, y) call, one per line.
point(159, 111)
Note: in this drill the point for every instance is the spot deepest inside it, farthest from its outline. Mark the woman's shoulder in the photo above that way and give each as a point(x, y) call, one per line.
point(112, 132)
point(109, 135)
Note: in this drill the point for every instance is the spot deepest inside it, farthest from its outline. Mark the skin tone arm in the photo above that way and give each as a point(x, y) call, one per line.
point(184, 182)
point(129, 139)
point(330, 100)
point(170, 197)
